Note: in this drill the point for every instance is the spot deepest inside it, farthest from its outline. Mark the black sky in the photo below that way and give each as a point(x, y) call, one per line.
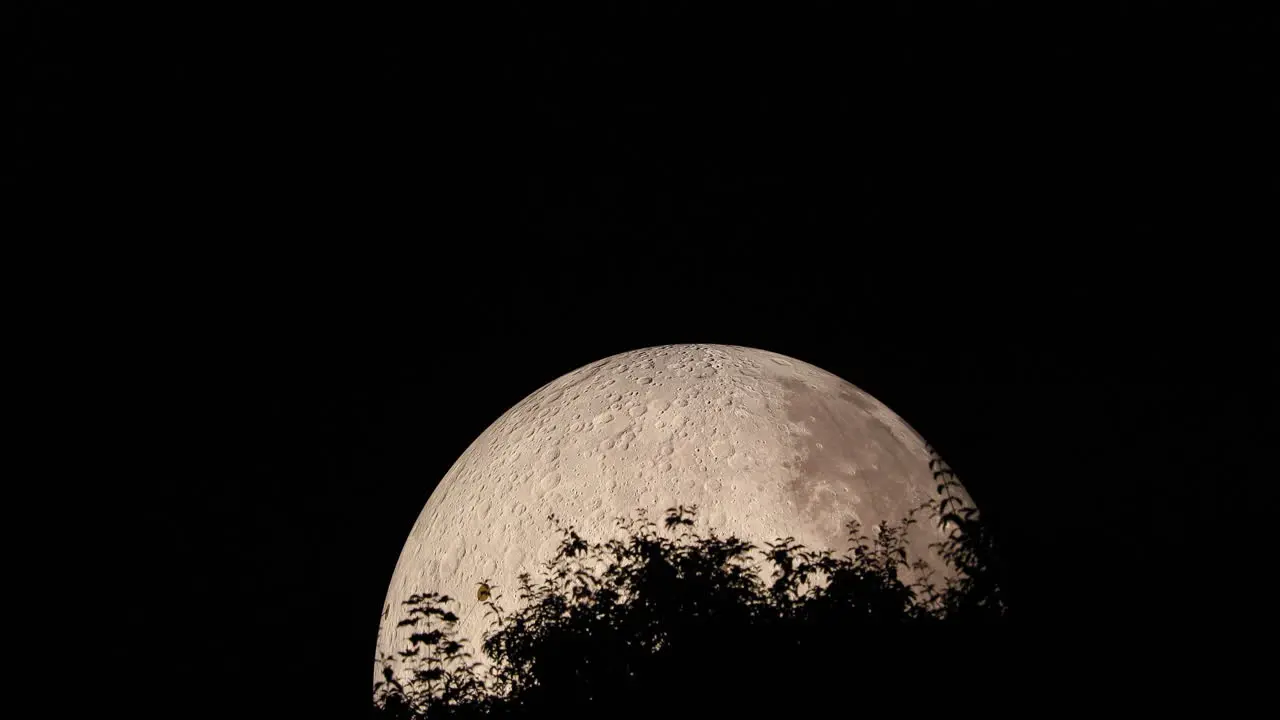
point(352, 237)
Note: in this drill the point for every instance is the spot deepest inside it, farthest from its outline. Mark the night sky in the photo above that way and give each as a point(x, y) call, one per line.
point(361, 235)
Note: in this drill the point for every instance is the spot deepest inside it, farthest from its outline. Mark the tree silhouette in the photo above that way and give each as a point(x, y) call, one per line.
point(672, 623)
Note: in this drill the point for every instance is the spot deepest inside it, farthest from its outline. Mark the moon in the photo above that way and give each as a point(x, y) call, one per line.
point(767, 446)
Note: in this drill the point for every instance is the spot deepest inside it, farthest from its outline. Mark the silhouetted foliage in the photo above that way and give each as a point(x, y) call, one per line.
point(670, 623)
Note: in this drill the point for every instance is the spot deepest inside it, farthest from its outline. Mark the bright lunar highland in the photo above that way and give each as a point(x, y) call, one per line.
point(765, 445)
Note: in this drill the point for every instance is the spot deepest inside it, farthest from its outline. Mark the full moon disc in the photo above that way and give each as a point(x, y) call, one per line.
point(765, 445)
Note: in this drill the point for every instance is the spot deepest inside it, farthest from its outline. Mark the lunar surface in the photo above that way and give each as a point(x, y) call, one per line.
point(765, 445)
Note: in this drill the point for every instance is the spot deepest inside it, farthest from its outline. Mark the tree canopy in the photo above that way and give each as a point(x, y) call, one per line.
point(670, 622)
